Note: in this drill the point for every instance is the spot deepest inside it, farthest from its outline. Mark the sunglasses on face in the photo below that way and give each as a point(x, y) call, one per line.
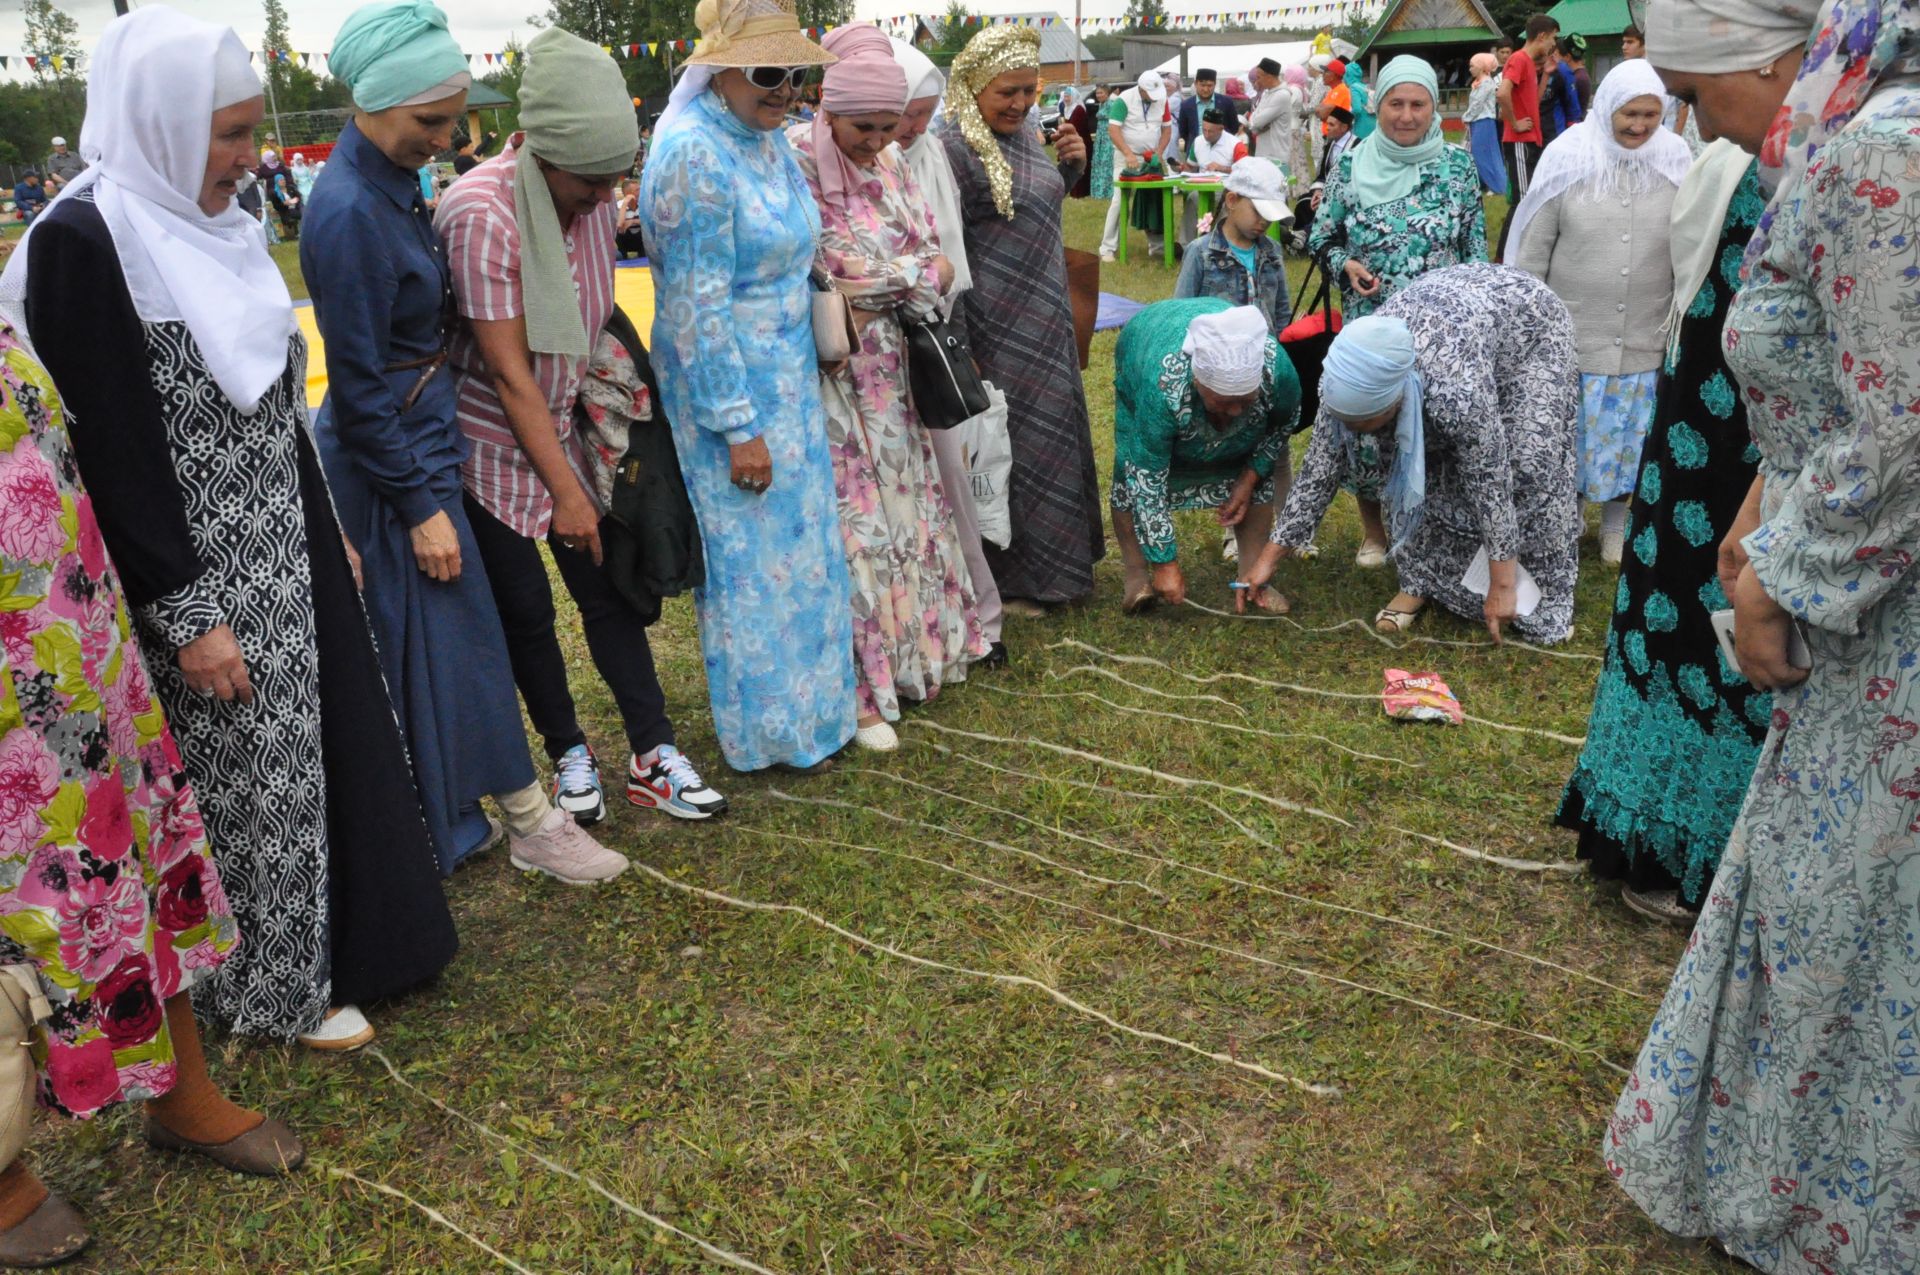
point(773, 77)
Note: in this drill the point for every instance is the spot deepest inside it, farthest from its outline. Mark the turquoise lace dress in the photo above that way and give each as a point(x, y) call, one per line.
point(1674, 733)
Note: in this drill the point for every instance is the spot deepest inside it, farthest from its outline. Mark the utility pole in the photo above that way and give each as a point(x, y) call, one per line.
point(273, 107)
point(120, 8)
point(1076, 43)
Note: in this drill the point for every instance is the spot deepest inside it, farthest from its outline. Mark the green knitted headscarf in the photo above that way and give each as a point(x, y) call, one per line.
point(579, 118)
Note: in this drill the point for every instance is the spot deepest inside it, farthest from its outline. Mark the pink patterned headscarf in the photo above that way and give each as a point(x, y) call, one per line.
point(865, 79)
point(1296, 76)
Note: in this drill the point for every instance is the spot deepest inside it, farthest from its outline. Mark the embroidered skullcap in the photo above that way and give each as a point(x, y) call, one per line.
point(388, 54)
point(1228, 349)
point(993, 52)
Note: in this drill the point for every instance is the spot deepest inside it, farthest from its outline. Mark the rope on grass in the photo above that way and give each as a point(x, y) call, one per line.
point(1388, 642)
point(1228, 878)
point(1202, 721)
point(1280, 803)
point(1168, 936)
point(992, 976)
point(627, 1206)
point(1154, 691)
point(778, 795)
point(434, 1215)
point(1209, 679)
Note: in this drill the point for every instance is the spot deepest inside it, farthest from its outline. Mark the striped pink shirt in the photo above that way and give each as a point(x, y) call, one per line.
point(476, 219)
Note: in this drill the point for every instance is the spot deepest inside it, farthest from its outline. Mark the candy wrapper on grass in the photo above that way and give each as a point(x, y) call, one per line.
point(1420, 697)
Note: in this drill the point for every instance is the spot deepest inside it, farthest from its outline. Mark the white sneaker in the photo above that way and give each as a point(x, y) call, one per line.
point(879, 738)
point(670, 783)
point(1613, 546)
point(1107, 256)
point(564, 851)
point(576, 786)
point(343, 1030)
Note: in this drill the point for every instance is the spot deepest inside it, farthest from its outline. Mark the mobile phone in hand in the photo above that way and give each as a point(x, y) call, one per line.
point(1797, 653)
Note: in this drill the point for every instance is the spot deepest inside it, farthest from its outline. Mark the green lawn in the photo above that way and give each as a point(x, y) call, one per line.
point(770, 1087)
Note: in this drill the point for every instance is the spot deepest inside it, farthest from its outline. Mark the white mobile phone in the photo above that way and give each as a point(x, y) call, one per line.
point(1797, 653)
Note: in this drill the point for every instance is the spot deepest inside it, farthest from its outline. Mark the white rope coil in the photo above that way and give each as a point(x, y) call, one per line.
point(1389, 643)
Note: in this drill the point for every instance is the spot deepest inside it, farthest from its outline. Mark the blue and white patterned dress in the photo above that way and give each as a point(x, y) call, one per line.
point(731, 231)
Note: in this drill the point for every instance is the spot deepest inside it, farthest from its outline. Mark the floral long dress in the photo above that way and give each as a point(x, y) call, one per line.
point(915, 622)
point(1675, 731)
point(1495, 348)
point(1442, 223)
point(1776, 1101)
point(106, 884)
point(732, 228)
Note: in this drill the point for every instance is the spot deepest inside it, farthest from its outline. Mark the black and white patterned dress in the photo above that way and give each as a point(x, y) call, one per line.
point(1495, 348)
point(218, 517)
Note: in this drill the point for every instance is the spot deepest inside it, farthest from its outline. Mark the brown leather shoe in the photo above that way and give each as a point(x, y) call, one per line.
point(51, 1234)
point(268, 1150)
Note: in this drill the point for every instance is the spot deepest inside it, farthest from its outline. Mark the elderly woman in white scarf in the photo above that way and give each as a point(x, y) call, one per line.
point(1773, 1103)
point(1595, 225)
point(1457, 397)
point(184, 378)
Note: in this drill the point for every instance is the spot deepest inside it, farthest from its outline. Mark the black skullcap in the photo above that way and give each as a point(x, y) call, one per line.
point(1269, 66)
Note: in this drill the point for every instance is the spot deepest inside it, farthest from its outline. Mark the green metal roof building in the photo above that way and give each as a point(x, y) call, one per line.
point(1444, 32)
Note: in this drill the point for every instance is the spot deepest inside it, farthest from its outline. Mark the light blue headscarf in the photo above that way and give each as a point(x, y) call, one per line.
point(392, 52)
point(1368, 369)
point(1383, 169)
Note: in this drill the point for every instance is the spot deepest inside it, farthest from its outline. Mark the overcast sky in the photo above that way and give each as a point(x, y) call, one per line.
point(479, 25)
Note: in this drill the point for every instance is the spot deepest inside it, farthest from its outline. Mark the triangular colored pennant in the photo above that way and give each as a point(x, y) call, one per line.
point(33, 63)
point(59, 62)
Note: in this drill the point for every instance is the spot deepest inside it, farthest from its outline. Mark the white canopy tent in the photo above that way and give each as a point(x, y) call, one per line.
point(1237, 59)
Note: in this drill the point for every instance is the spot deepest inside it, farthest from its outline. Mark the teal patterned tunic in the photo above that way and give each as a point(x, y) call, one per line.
point(1442, 223)
point(1167, 454)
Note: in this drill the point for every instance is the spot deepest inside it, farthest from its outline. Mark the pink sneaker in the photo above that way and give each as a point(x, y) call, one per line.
point(563, 850)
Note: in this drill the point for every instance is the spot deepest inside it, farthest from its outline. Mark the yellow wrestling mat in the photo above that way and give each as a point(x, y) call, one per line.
point(632, 291)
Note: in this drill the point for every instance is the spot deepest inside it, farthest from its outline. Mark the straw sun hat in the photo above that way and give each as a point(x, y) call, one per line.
point(753, 33)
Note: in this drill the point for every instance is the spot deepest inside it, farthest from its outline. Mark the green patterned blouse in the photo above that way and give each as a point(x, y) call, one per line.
point(1442, 223)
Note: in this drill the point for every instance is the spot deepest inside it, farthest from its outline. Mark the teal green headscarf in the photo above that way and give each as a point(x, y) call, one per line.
point(392, 52)
point(1362, 107)
point(1384, 170)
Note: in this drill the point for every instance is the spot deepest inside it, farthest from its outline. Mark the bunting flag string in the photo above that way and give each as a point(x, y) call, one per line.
point(1305, 12)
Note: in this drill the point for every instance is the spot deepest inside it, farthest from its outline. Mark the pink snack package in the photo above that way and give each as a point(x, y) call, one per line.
point(1420, 697)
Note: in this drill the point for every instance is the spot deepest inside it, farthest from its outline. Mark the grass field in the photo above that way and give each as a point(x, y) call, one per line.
point(769, 1086)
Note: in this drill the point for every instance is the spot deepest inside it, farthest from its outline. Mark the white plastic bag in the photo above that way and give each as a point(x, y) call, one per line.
point(989, 455)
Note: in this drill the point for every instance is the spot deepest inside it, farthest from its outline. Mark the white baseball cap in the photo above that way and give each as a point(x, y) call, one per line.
point(1260, 180)
point(59, 141)
point(1152, 85)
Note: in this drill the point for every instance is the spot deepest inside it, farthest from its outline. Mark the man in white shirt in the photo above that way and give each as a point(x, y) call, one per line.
point(1212, 153)
point(1138, 121)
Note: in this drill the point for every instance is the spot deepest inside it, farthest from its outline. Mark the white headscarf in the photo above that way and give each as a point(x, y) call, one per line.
point(156, 80)
point(1717, 37)
point(1588, 155)
point(1228, 349)
point(927, 160)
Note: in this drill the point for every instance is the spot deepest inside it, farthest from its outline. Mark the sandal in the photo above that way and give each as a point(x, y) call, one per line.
point(1393, 620)
point(1271, 600)
point(1372, 555)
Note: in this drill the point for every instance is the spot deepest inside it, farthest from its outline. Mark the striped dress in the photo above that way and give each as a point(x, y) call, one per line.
point(1020, 323)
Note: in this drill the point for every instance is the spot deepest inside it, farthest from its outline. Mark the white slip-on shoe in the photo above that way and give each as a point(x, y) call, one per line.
point(879, 738)
point(343, 1030)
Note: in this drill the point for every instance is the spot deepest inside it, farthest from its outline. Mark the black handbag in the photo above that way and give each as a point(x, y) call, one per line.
point(1306, 340)
point(941, 378)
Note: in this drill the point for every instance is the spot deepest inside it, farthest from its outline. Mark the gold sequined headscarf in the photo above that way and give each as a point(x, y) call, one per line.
point(993, 52)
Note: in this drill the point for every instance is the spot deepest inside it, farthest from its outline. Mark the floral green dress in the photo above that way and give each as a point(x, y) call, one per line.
point(106, 886)
point(1167, 454)
point(1776, 1101)
point(1442, 223)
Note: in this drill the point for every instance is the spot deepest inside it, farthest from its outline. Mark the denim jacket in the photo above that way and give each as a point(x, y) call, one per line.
point(1210, 269)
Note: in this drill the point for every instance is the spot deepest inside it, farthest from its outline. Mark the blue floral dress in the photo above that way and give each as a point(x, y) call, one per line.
point(732, 230)
point(1774, 1104)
